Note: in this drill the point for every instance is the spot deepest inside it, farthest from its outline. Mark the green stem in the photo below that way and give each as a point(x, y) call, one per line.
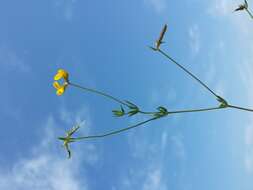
point(115, 131)
point(154, 118)
point(107, 96)
point(250, 14)
point(141, 123)
point(98, 92)
point(147, 113)
point(240, 108)
point(195, 110)
point(188, 72)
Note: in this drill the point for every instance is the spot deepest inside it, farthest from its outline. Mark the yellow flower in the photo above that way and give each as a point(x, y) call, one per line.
point(62, 74)
point(59, 88)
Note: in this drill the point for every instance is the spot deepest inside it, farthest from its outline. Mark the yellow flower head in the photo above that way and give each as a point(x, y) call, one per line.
point(61, 74)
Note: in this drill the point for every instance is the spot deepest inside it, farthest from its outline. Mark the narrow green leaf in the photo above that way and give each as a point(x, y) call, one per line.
point(133, 112)
point(122, 110)
point(131, 105)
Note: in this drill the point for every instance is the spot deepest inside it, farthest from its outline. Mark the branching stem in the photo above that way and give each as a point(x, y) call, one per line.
point(188, 72)
point(115, 131)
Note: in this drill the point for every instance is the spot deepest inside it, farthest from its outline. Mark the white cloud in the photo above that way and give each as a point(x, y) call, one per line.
point(158, 5)
point(194, 39)
point(163, 95)
point(224, 9)
point(248, 158)
point(220, 88)
point(66, 8)
point(179, 147)
point(149, 177)
point(221, 7)
point(154, 180)
point(153, 151)
point(245, 75)
point(47, 166)
point(11, 61)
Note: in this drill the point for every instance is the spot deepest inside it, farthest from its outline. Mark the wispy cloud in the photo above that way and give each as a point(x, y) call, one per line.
point(221, 7)
point(245, 76)
point(224, 9)
point(66, 8)
point(158, 5)
point(153, 176)
point(248, 159)
point(154, 179)
point(47, 166)
point(194, 39)
point(177, 141)
point(153, 151)
point(11, 61)
point(163, 95)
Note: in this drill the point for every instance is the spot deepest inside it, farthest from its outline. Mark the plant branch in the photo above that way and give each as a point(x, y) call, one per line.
point(142, 123)
point(188, 72)
point(115, 131)
point(250, 14)
point(110, 97)
point(98, 92)
point(240, 108)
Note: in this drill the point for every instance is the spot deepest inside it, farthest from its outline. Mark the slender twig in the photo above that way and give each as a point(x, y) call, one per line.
point(250, 14)
point(147, 113)
point(115, 131)
point(98, 92)
point(188, 72)
point(196, 110)
point(240, 108)
point(108, 96)
point(141, 124)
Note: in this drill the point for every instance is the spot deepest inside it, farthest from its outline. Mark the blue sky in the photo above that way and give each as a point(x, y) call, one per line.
point(103, 45)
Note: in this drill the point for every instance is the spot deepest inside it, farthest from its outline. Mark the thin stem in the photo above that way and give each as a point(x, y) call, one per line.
point(196, 110)
point(154, 118)
point(147, 113)
point(98, 92)
point(107, 96)
point(185, 111)
point(188, 72)
point(250, 14)
point(115, 131)
point(141, 123)
point(240, 108)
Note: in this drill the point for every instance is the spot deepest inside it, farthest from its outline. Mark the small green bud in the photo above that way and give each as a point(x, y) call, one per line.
point(223, 102)
point(119, 113)
point(162, 109)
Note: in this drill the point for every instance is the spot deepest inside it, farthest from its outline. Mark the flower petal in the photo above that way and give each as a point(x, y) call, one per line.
point(58, 76)
point(60, 91)
point(56, 85)
point(65, 75)
point(61, 74)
